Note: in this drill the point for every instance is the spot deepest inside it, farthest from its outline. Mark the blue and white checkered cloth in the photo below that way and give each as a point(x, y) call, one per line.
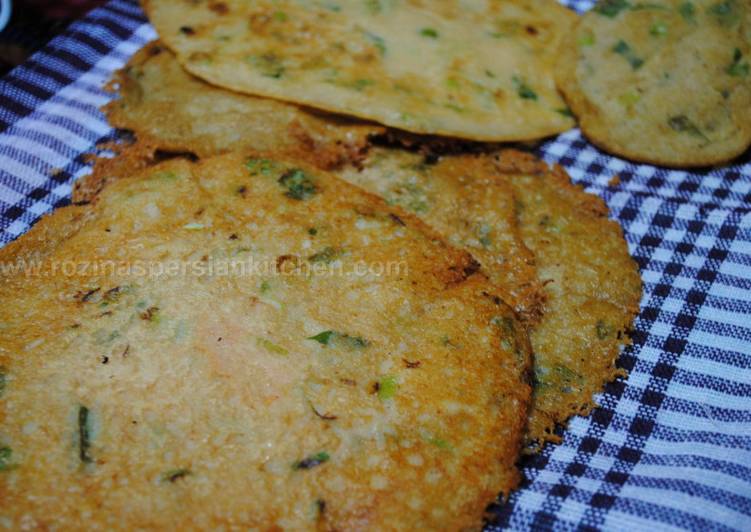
point(669, 448)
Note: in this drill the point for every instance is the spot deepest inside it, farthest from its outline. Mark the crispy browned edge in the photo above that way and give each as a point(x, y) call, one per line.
point(510, 162)
point(322, 155)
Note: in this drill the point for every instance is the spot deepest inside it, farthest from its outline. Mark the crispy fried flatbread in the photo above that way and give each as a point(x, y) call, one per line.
point(473, 69)
point(665, 82)
point(461, 198)
point(359, 373)
point(591, 285)
point(159, 100)
point(592, 289)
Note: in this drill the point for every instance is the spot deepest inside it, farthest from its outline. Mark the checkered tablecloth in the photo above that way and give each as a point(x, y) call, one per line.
point(669, 448)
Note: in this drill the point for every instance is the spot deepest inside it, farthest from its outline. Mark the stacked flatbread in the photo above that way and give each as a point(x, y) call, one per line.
point(282, 307)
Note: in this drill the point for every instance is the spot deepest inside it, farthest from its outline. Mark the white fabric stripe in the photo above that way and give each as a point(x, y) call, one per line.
point(712, 479)
point(618, 521)
point(704, 396)
point(687, 449)
point(689, 422)
point(727, 317)
point(725, 343)
point(685, 502)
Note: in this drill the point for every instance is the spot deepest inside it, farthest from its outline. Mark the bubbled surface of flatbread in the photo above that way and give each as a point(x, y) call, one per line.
point(159, 100)
point(475, 69)
point(146, 384)
point(591, 284)
point(665, 82)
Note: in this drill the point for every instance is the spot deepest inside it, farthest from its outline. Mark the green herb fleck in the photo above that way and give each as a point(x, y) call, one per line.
point(647, 5)
point(622, 48)
point(3, 379)
point(377, 41)
point(333, 338)
point(565, 111)
point(194, 226)
point(312, 461)
point(6, 453)
point(658, 29)
point(429, 32)
point(269, 65)
point(174, 475)
point(326, 256)
point(260, 166)
point(683, 124)
point(271, 347)
point(441, 444)
point(84, 435)
point(628, 99)
point(322, 338)
point(725, 12)
point(483, 235)
point(611, 8)
point(299, 185)
point(603, 330)
point(588, 39)
point(373, 6)
point(360, 84)
point(312, 231)
point(688, 12)
point(280, 16)
point(265, 287)
point(523, 90)
point(387, 387)
point(738, 68)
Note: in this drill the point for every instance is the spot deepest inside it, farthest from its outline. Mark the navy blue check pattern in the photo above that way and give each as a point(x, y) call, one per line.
point(668, 449)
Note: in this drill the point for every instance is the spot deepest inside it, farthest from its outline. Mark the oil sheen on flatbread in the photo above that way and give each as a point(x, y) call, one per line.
point(148, 385)
point(477, 69)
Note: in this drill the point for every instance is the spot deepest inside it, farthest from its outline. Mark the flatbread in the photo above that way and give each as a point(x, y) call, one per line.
point(664, 82)
point(588, 289)
point(159, 100)
point(360, 373)
point(474, 69)
point(592, 288)
point(461, 198)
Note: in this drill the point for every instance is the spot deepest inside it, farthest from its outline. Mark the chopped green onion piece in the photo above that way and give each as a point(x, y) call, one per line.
point(622, 48)
point(611, 8)
point(387, 387)
point(322, 338)
point(523, 90)
point(429, 32)
point(658, 29)
point(271, 347)
point(84, 435)
point(312, 461)
point(6, 453)
point(299, 185)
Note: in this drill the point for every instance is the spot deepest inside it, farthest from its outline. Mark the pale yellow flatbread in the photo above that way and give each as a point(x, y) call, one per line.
point(472, 69)
point(665, 82)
